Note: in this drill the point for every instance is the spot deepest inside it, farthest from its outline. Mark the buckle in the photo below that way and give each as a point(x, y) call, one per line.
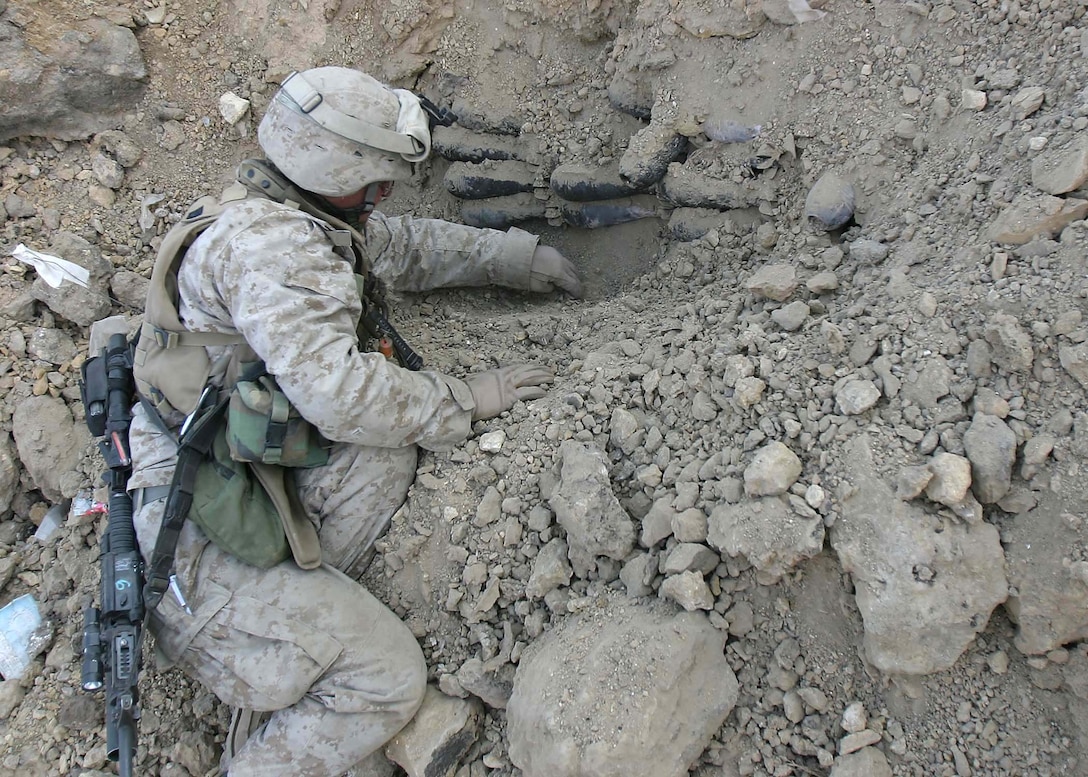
point(165, 339)
point(302, 92)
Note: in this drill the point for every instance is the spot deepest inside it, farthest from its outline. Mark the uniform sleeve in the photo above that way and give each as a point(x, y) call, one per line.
point(412, 254)
point(295, 302)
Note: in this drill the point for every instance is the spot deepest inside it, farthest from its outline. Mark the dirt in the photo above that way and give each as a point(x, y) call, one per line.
point(872, 90)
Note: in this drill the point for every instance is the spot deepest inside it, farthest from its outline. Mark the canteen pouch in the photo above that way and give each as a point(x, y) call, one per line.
point(263, 427)
point(235, 511)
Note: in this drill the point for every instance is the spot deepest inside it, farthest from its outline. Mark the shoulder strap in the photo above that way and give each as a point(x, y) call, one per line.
point(161, 310)
point(195, 444)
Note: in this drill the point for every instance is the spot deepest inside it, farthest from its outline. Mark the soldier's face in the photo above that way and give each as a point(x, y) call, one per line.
point(362, 202)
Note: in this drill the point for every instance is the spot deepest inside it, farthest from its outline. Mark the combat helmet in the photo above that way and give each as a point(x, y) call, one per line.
point(334, 131)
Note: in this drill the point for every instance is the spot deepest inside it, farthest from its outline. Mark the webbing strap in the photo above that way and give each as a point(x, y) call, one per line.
point(194, 447)
point(311, 102)
point(168, 339)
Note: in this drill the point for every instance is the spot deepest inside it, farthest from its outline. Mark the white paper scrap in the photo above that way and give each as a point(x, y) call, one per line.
point(53, 270)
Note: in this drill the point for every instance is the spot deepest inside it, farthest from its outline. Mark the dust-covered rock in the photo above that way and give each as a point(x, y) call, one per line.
point(627, 690)
point(436, 738)
point(924, 588)
point(991, 448)
point(1049, 574)
point(92, 72)
point(767, 532)
point(50, 445)
point(585, 506)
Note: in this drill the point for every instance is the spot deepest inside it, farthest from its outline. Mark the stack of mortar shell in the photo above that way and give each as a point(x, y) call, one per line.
point(705, 202)
point(490, 173)
point(601, 196)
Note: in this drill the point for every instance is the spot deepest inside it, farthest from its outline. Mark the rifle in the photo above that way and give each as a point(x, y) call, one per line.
point(112, 630)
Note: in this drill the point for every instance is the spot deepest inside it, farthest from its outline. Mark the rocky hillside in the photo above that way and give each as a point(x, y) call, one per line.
point(806, 496)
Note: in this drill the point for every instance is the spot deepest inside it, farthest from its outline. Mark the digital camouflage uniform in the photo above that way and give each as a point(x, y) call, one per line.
point(341, 671)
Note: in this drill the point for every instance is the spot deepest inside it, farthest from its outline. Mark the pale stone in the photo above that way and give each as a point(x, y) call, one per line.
point(767, 532)
point(492, 442)
point(689, 590)
point(656, 686)
point(851, 743)
point(924, 586)
point(232, 108)
point(974, 100)
point(442, 730)
point(1027, 101)
point(856, 396)
point(774, 281)
point(772, 471)
point(748, 391)
point(951, 478)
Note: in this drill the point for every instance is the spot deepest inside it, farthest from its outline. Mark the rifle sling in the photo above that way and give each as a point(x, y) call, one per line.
point(194, 446)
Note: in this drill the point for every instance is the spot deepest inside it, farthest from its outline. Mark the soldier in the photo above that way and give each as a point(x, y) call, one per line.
point(277, 269)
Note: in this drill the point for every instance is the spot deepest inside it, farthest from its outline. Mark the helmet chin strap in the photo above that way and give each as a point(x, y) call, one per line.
point(362, 211)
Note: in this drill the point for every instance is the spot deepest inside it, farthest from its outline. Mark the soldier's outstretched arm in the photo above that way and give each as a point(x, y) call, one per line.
point(413, 254)
point(296, 303)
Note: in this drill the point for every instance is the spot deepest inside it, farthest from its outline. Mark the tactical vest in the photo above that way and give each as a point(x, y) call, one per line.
point(171, 365)
point(172, 371)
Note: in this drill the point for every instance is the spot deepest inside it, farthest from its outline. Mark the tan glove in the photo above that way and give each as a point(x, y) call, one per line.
point(494, 391)
point(550, 269)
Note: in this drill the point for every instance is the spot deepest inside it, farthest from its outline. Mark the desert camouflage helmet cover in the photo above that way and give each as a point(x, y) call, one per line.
point(333, 131)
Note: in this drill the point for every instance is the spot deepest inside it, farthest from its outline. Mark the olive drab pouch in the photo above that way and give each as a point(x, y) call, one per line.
point(235, 510)
point(263, 426)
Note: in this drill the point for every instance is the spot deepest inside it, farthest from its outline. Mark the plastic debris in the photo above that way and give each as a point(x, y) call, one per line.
point(52, 521)
point(147, 216)
point(52, 269)
point(19, 624)
point(729, 131)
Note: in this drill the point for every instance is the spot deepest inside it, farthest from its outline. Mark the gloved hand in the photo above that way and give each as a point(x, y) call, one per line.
point(549, 269)
point(497, 390)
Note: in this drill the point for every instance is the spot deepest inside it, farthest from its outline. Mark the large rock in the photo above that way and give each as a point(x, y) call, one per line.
point(767, 532)
point(927, 382)
point(924, 587)
point(550, 570)
point(50, 444)
point(623, 690)
point(1035, 215)
point(595, 522)
point(772, 470)
point(75, 303)
point(729, 18)
point(1011, 343)
point(1061, 170)
point(1048, 573)
point(63, 80)
point(867, 762)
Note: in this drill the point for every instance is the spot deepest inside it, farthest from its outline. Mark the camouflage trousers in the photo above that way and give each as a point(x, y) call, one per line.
point(341, 673)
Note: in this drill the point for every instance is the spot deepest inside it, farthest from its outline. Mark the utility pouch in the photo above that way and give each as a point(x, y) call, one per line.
point(263, 427)
point(235, 511)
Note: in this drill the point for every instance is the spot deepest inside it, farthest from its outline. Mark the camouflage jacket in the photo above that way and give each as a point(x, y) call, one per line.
point(270, 273)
